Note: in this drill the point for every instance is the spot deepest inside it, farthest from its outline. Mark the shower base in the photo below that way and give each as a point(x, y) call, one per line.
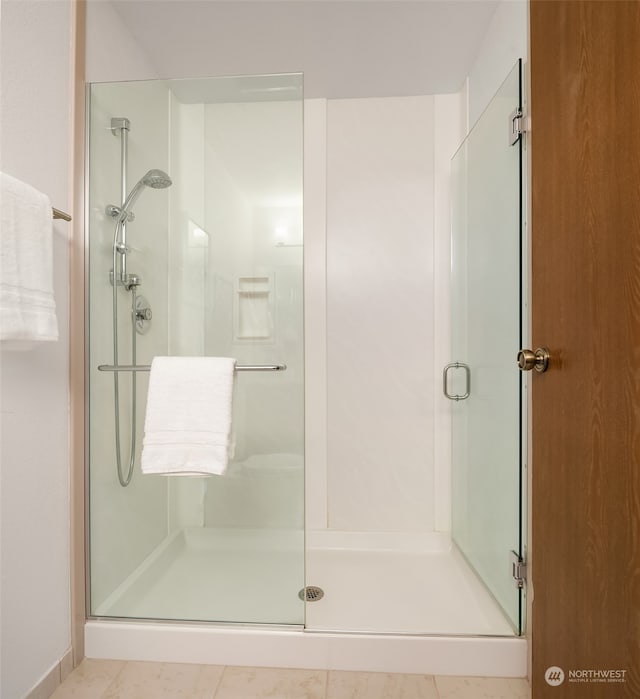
point(425, 590)
point(225, 575)
point(250, 575)
point(383, 610)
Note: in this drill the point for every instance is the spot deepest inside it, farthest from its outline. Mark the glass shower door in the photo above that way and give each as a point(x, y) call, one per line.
point(217, 256)
point(483, 379)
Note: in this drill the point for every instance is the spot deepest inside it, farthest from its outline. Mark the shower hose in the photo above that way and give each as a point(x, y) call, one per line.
point(124, 479)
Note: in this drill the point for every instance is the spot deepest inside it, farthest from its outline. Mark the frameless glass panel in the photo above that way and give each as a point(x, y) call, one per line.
point(213, 268)
point(486, 306)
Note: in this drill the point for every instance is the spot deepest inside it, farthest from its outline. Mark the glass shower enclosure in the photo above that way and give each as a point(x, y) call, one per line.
point(203, 259)
point(195, 249)
point(488, 325)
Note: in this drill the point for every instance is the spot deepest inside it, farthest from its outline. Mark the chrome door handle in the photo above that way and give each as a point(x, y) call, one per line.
point(538, 360)
point(445, 376)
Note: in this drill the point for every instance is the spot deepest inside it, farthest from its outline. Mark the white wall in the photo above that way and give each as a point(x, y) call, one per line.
point(380, 330)
point(376, 311)
point(34, 470)
point(113, 53)
point(346, 49)
point(504, 43)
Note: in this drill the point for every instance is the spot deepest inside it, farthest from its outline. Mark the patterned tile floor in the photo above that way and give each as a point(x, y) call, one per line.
point(114, 679)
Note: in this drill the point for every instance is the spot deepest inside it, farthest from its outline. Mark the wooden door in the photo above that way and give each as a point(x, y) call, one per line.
point(585, 149)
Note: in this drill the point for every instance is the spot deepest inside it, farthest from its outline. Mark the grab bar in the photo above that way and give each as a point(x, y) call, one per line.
point(147, 367)
point(445, 388)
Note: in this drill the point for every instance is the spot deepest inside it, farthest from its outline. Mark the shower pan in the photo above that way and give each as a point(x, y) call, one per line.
point(292, 557)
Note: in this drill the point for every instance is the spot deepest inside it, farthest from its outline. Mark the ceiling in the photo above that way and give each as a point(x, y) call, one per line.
point(345, 48)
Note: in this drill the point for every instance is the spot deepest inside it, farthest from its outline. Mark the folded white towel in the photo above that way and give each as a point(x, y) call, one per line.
point(188, 421)
point(27, 305)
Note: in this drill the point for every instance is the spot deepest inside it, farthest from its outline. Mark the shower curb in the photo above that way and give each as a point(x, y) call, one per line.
point(295, 647)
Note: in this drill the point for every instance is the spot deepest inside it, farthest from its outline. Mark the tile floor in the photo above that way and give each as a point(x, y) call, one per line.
point(114, 679)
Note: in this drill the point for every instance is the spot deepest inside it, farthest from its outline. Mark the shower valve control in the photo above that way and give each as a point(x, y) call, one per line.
point(143, 315)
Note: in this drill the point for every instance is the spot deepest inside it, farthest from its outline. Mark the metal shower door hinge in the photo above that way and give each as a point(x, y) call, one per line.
point(516, 126)
point(518, 570)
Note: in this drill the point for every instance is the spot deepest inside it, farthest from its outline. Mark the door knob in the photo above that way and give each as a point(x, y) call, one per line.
point(538, 360)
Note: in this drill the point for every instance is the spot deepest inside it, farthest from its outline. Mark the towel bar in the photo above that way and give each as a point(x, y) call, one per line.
point(60, 214)
point(147, 367)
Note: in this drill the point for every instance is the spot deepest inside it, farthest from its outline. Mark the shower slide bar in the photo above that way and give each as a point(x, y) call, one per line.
point(147, 367)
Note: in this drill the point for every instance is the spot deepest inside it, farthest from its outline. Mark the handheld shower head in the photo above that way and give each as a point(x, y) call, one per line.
point(156, 179)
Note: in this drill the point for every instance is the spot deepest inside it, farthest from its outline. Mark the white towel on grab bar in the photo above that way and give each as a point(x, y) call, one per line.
point(27, 304)
point(188, 421)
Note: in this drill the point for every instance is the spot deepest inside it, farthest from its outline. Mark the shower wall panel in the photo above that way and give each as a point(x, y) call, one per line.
point(188, 241)
point(315, 312)
point(253, 216)
point(235, 281)
point(187, 273)
point(380, 314)
point(126, 523)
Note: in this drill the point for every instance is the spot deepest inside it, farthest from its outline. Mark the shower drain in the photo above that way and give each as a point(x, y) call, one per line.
point(311, 594)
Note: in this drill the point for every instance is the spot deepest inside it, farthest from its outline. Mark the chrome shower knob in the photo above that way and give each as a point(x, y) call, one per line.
point(143, 315)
